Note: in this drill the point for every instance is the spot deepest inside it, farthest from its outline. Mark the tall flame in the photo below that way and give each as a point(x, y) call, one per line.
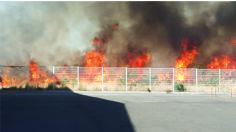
point(185, 59)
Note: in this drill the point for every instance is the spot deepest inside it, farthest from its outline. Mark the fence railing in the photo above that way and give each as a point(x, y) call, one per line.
point(118, 78)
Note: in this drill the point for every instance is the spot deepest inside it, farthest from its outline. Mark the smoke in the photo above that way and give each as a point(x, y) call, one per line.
point(47, 32)
point(57, 33)
point(160, 26)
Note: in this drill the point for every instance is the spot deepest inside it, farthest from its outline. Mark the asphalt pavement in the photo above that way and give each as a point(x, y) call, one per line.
point(116, 112)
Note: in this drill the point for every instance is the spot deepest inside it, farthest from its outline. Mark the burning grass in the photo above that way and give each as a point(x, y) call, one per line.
point(92, 76)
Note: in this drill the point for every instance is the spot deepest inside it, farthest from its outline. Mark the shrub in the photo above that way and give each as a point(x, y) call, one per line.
point(64, 81)
point(179, 87)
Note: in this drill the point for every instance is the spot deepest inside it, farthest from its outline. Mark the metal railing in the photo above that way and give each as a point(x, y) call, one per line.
point(119, 79)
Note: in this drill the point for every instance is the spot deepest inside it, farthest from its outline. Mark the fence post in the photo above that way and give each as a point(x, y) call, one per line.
point(219, 80)
point(196, 80)
point(1, 80)
point(78, 77)
point(28, 77)
point(173, 79)
point(150, 79)
point(102, 80)
point(126, 79)
point(1, 83)
point(53, 72)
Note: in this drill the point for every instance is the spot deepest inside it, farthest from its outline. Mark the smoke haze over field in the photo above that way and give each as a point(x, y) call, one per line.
point(57, 33)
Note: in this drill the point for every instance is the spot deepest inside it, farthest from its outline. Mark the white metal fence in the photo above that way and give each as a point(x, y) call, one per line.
point(119, 79)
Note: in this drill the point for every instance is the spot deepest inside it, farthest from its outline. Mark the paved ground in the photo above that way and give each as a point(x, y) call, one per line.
point(178, 113)
point(121, 112)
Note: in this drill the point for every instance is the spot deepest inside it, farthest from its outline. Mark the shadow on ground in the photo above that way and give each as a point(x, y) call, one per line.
point(23, 111)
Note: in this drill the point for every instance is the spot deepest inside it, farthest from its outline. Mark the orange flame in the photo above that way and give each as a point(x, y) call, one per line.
point(140, 61)
point(37, 76)
point(5, 80)
point(162, 76)
point(223, 62)
point(233, 42)
point(185, 59)
point(94, 59)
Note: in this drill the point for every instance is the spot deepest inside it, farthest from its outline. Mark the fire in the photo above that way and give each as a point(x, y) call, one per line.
point(162, 76)
point(223, 62)
point(181, 73)
point(98, 41)
point(140, 61)
point(185, 59)
point(94, 59)
point(63, 74)
point(37, 76)
point(5, 79)
point(115, 26)
point(233, 42)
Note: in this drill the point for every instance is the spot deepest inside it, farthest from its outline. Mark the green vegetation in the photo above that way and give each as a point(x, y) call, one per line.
point(132, 75)
point(74, 82)
point(146, 78)
point(212, 81)
point(179, 87)
point(64, 80)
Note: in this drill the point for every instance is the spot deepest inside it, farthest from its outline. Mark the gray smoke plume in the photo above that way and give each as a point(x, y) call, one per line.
point(48, 32)
point(57, 33)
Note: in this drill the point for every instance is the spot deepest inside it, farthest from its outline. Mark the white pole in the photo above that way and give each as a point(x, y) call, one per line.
point(150, 79)
point(102, 80)
point(219, 80)
point(126, 80)
point(196, 80)
point(173, 79)
point(28, 77)
point(53, 72)
point(78, 77)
